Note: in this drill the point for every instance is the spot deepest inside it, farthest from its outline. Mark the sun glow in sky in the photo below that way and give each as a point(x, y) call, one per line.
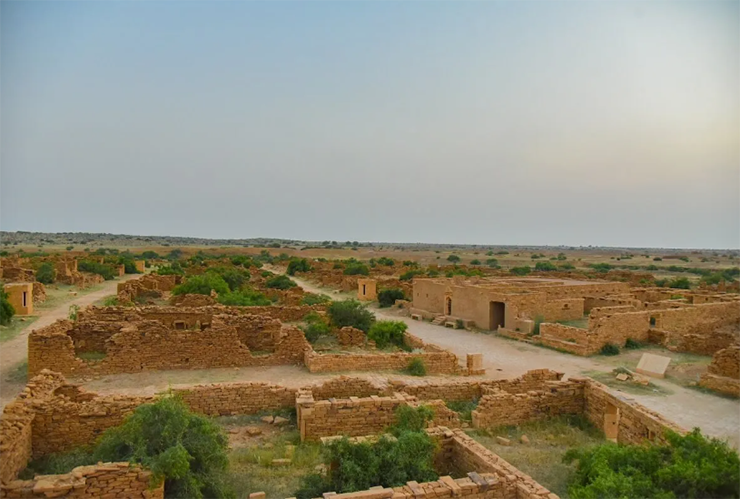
point(499, 122)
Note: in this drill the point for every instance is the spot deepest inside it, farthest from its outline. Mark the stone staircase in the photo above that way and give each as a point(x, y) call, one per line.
point(439, 320)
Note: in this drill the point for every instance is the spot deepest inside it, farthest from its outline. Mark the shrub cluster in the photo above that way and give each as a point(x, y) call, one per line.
point(280, 282)
point(298, 265)
point(386, 333)
point(102, 269)
point(45, 273)
point(610, 349)
point(356, 269)
point(524, 270)
point(314, 299)
point(6, 309)
point(388, 297)
point(351, 313)
point(410, 274)
point(244, 297)
point(545, 267)
point(316, 327)
point(416, 367)
point(202, 285)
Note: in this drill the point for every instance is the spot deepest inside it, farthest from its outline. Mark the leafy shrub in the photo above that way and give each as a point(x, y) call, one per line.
point(150, 255)
point(388, 297)
point(316, 327)
point(453, 258)
point(298, 265)
point(545, 267)
point(235, 278)
point(689, 466)
point(410, 274)
point(463, 407)
point(351, 313)
point(314, 299)
point(280, 282)
point(202, 285)
point(493, 263)
point(356, 269)
point(129, 264)
point(45, 273)
point(244, 261)
point(680, 283)
point(245, 297)
point(185, 449)
point(385, 333)
point(601, 267)
point(6, 309)
point(631, 344)
point(416, 367)
point(566, 266)
point(106, 271)
point(173, 269)
point(388, 262)
point(389, 462)
point(524, 270)
point(475, 262)
point(610, 349)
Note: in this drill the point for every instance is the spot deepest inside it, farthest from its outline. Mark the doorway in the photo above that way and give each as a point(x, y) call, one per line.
point(448, 305)
point(497, 315)
point(611, 422)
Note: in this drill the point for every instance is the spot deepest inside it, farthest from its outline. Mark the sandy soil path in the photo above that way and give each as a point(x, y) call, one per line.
point(15, 352)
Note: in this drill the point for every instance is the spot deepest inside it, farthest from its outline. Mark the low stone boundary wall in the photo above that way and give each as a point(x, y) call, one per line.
point(105, 480)
point(723, 374)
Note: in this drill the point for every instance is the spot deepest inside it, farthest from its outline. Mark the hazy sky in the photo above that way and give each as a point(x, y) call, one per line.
point(494, 122)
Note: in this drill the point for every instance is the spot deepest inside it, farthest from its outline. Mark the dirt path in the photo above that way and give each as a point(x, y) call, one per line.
point(504, 358)
point(14, 352)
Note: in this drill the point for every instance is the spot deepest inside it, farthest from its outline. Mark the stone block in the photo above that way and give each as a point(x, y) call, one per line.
point(653, 365)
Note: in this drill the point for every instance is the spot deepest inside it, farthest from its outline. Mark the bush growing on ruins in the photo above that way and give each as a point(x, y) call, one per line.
point(389, 462)
point(631, 344)
point(680, 283)
point(245, 297)
point(545, 267)
point(351, 313)
point(690, 466)
point(316, 327)
point(150, 255)
point(106, 271)
point(609, 349)
point(524, 270)
point(410, 274)
point(6, 309)
point(356, 269)
point(173, 269)
point(453, 258)
point(432, 273)
point(314, 299)
point(280, 282)
point(298, 265)
point(416, 367)
point(388, 297)
point(244, 261)
point(386, 333)
point(235, 278)
point(202, 285)
point(187, 450)
point(45, 273)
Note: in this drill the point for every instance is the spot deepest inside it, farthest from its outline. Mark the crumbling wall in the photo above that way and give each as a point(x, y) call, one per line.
point(130, 290)
point(350, 336)
point(435, 362)
point(723, 374)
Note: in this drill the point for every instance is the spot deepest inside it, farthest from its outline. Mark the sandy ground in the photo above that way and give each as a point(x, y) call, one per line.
point(13, 353)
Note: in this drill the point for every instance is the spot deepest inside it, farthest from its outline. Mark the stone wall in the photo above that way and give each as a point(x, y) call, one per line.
point(130, 290)
point(723, 374)
point(350, 336)
point(99, 481)
point(443, 362)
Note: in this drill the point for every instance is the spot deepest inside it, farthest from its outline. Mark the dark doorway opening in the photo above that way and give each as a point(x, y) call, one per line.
point(448, 306)
point(498, 314)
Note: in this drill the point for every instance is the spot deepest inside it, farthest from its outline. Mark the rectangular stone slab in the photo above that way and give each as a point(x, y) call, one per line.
point(653, 365)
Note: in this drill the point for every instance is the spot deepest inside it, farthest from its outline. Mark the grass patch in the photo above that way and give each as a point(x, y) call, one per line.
point(549, 440)
point(464, 408)
point(17, 325)
point(19, 374)
point(54, 464)
point(609, 380)
point(59, 294)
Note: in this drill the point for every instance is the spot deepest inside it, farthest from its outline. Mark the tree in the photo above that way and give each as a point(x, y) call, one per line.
point(298, 265)
point(202, 285)
point(351, 313)
point(234, 277)
point(6, 309)
point(46, 274)
point(388, 297)
point(385, 333)
point(453, 258)
point(187, 450)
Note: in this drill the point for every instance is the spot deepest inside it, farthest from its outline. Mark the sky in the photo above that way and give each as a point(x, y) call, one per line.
point(609, 123)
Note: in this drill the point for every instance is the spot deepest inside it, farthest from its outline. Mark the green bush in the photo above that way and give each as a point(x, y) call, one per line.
point(610, 349)
point(173, 269)
point(566, 266)
point(410, 274)
point(493, 263)
point(235, 278)
point(244, 261)
point(6, 309)
point(351, 313)
point(298, 265)
point(524, 270)
point(680, 283)
point(245, 297)
point(389, 462)
point(385, 333)
point(150, 255)
point(356, 269)
point(475, 262)
point(416, 367)
point(129, 264)
point(45, 274)
point(280, 282)
point(601, 267)
point(314, 299)
point(388, 297)
point(102, 269)
point(463, 407)
point(316, 327)
point(388, 262)
point(631, 344)
point(453, 258)
point(202, 285)
point(688, 466)
point(187, 450)
point(545, 267)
